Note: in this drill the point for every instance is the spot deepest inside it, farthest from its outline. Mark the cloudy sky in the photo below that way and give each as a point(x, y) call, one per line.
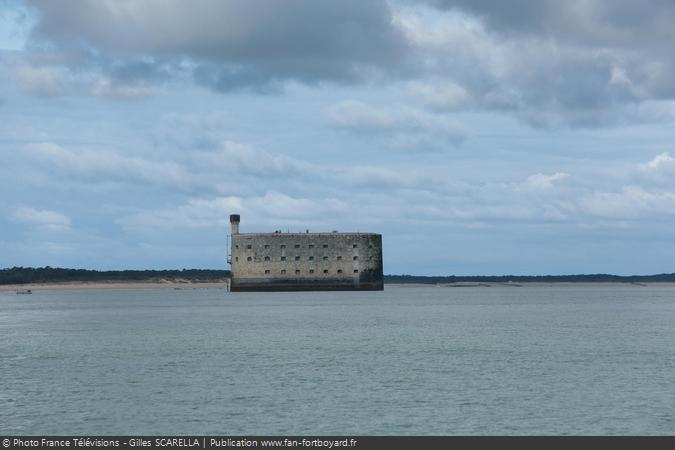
point(479, 137)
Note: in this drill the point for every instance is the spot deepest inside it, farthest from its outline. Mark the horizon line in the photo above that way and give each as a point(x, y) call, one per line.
point(404, 275)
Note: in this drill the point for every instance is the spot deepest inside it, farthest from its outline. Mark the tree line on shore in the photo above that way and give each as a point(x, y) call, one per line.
point(25, 275)
point(581, 278)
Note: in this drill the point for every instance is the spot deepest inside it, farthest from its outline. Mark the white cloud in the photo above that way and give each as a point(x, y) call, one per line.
point(42, 218)
point(540, 181)
point(396, 126)
point(105, 87)
point(241, 159)
point(660, 162)
point(631, 202)
point(43, 80)
point(659, 171)
point(378, 177)
point(108, 166)
point(443, 95)
point(274, 208)
point(355, 115)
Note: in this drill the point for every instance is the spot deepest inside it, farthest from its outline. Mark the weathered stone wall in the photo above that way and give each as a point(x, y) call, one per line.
point(306, 261)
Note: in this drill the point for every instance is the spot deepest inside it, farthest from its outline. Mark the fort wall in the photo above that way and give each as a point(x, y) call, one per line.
point(306, 261)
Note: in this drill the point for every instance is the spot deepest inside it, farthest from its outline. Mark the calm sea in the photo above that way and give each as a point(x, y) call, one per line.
point(409, 360)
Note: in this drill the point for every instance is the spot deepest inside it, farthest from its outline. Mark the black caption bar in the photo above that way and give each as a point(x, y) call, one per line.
point(336, 442)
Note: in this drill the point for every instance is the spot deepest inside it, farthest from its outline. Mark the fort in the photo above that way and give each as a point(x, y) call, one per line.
point(304, 261)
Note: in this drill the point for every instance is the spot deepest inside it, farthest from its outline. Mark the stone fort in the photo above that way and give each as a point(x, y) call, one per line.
point(304, 261)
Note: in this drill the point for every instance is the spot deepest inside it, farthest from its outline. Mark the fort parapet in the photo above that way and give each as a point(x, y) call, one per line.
point(305, 261)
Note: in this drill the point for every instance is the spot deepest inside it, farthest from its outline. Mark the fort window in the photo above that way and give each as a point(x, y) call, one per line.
point(283, 258)
point(297, 272)
point(356, 270)
point(249, 259)
point(311, 246)
point(267, 272)
point(297, 258)
point(297, 246)
point(325, 245)
point(339, 270)
point(325, 258)
point(267, 246)
point(355, 246)
point(236, 246)
point(311, 258)
point(236, 258)
point(370, 245)
point(311, 270)
point(355, 258)
point(325, 271)
point(248, 247)
point(283, 271)
point(283, 246)
point(267, 258)
point(339, 258)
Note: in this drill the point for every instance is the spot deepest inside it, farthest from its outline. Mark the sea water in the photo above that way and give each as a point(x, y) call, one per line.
point(411, 360)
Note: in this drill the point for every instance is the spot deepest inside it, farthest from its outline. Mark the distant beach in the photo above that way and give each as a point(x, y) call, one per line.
point(181, 284)
point(161, 284)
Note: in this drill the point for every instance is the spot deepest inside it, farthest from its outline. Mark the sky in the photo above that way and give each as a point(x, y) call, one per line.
point(478, 137)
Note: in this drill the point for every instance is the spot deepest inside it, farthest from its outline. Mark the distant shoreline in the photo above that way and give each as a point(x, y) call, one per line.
point(162, 284)
point(468, 285)
point(16, 278)
point(516, 279)
point(187, 285)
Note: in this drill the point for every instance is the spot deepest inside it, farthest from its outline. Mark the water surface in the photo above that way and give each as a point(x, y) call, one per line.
point(410, 360)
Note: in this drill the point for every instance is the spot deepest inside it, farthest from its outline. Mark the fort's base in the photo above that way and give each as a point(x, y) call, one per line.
point(265, 285)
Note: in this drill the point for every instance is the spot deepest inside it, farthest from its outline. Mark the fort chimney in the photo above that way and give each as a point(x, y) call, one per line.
point(234, 222)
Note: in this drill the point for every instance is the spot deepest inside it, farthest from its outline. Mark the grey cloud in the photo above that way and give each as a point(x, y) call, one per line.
point(613, 23)
point(396, 126)
point(242, 160)
point(376, 178)
point(128, 79)
point(108, 88)
point(293, 192)
point(416, 199)
point(233, 168)
point(143, 69)
point(47, 219)
point(107, 166)
point(52, 75)
point(228, 77)
point(44, 81)
point(233, 44)
point(580, 63)
point(191, 131)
